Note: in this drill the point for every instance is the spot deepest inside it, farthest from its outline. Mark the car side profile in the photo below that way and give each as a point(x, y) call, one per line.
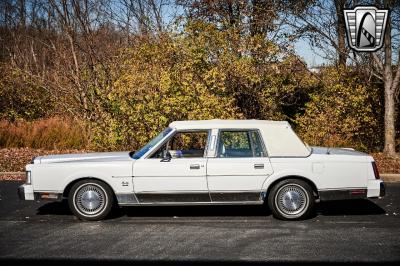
point(207, 162)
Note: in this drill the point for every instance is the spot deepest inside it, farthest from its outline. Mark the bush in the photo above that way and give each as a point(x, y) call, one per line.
point(340, 113)
point(50, 133)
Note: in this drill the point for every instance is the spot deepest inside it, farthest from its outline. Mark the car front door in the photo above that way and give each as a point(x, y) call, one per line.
point(176, 172)
point(239, 168)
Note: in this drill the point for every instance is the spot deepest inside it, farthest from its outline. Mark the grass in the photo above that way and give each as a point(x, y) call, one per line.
point(51, 133)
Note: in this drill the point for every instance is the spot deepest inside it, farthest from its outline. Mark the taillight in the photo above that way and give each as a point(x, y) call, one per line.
point(376, 172)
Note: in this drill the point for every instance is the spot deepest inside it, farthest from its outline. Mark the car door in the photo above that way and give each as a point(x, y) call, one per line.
point(239, 168)
point(176, 172)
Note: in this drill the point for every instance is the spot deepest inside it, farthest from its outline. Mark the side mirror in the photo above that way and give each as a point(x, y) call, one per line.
point(167, 157)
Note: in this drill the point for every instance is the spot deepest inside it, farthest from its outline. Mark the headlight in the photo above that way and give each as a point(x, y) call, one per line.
point(28, 177)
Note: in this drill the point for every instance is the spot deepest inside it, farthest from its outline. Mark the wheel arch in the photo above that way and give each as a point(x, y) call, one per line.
point(299, 177)
point(69, 186)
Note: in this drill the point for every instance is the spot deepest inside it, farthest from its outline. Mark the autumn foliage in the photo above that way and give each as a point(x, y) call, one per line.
point(74, 78)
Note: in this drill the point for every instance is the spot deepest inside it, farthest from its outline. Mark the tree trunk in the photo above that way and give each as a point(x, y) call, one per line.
point(342, 51)
point(390, 107)
point(390, 114)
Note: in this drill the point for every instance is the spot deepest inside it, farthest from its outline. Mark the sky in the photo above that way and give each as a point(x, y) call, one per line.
point(303, 49)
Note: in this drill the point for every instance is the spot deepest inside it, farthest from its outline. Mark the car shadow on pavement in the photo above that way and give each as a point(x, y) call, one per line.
point(54, 208)
point(193, 211)
point(331, 208)
point(349, 207)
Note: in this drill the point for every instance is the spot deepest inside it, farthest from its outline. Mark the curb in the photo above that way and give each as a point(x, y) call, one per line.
point(384, 177)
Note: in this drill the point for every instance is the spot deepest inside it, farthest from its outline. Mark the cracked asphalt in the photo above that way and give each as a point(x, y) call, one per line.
point(343, 231)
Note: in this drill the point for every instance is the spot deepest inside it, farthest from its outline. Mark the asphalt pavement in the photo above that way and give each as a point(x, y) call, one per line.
point(365, 231)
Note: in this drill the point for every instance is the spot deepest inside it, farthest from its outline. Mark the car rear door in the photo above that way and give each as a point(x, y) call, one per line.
point(239, 168)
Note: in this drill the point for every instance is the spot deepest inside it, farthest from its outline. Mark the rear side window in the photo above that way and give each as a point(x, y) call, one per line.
point(240, 143)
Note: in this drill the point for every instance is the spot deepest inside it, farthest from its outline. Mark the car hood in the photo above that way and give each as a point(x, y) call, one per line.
point(337, 151)
point(84, 157)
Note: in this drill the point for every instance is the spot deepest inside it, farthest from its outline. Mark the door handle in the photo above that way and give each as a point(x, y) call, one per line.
point(259, 166)
point(194, 166)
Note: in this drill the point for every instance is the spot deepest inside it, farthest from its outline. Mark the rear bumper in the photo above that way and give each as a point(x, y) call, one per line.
point(25, 192)
point(382, 192)
point(376, 188)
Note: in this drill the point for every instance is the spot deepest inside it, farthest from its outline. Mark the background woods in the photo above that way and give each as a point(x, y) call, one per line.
point(109, 75)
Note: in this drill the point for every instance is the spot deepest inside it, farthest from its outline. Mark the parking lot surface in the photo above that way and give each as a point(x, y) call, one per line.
point(342, 231)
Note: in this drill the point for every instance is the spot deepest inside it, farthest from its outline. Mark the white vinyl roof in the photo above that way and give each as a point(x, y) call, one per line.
point(279, 137)
point(219, 123)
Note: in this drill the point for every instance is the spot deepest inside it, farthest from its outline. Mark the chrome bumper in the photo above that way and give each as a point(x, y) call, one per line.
point(25, 192)
point(382, 191)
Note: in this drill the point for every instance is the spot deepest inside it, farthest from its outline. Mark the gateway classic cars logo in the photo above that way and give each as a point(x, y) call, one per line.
point(365, 27)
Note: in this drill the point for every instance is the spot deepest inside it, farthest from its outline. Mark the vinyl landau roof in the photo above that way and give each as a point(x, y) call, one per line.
point(220, 123)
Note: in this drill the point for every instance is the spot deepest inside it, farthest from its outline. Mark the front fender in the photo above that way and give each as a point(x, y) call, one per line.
point(86, 174)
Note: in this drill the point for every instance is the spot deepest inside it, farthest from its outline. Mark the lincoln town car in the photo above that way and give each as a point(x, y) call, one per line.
point(208, 162)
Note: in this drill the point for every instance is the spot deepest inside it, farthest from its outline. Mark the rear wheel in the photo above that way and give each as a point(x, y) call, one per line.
point(90, 200)
point(291, 199)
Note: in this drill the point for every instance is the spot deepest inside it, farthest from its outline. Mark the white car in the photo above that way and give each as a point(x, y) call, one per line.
point(209, 162)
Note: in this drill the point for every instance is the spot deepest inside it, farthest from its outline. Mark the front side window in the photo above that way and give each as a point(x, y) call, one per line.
point(246, 143)
point(151, 143)
point(184, 145)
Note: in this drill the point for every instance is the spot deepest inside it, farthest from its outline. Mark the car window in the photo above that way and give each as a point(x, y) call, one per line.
point(257, 144)
point(184, 145)
point(151, 143)
point(246, 143)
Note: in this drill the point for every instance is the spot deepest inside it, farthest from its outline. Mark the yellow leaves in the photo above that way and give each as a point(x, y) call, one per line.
point(339, 113)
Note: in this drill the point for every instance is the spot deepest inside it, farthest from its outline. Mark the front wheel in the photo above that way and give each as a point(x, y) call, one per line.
point(90, 200)
point(291, 199)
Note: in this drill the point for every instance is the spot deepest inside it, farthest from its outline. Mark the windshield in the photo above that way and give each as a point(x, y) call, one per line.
point(151, 144)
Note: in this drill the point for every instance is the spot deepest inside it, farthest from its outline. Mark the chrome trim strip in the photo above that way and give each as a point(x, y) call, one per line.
point(190, 197)
point(196, 203)
point(173, 197)
point(342, 194)
point(197, 191)
point(128, 198)
point(342, 188)
point(235, 196)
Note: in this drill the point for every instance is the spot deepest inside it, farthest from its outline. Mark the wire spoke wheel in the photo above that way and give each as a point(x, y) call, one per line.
point(90, 199)
point(291, 199)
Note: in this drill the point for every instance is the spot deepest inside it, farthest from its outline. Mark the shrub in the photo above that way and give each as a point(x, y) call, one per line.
point(50, 133)
point(340, 113)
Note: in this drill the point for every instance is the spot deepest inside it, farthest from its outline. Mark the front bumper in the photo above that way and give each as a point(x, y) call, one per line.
point(25, 192)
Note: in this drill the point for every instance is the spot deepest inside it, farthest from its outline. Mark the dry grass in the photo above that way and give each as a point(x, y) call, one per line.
point(15, 159)
point(387, 165)
point(51, 134)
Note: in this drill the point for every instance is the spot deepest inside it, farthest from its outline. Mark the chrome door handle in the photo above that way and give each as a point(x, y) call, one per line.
point(259, 166)
point(194, 166)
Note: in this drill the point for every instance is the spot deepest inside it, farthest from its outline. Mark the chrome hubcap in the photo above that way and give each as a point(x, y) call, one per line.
point(90, 199)
point(291, 200)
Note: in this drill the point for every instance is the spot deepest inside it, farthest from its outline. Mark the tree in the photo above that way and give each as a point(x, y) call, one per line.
point(323, 24)
point(390, 75)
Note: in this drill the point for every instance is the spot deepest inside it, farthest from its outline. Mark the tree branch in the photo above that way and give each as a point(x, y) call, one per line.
point(378, 62)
